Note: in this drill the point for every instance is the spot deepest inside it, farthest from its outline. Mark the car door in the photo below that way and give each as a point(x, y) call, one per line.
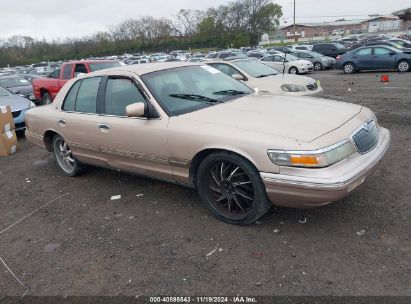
point(66, 74)
point(383, 58)
point(275, 61)
point(135, 144)
point(77, 120)
point(363, 59)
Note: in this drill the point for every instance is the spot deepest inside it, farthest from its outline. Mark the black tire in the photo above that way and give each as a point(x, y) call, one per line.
point(403, 66)
point(46, 98)
point(318, 66)
point(232, 189)
point(349, 68)
point(293, 70)
point(67, 162)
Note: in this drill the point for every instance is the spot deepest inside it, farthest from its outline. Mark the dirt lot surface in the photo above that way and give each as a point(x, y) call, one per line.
point(160, 239)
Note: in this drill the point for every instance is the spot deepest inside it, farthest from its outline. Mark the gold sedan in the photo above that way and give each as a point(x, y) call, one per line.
point(191, 124)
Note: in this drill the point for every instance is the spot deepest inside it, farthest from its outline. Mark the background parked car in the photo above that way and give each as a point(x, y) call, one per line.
point(377, 42)
point(329, 49)
point(18, 85)
point(379, 57)
point(282, 49)
point(319, 61)
point(288, 63)
point(19, 105)
point(266, 79)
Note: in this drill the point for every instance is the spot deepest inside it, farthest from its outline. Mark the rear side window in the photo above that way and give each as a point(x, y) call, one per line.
point(381, 51)
point(86, 101)
point(120, 93)
point(67, 71)
point(70, 100)
point(364, 52)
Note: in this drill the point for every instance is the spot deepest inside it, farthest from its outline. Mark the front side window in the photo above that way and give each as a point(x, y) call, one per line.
point(86, 101)
point(120, 93)
point(186, 89)
point(67, 71)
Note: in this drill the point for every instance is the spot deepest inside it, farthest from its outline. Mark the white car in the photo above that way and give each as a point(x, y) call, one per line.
point(288, 63)
point(265, 79)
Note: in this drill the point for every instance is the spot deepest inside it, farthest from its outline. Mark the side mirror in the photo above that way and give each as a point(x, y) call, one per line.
point(238, 77)
point(137, 109)
point(392, 53)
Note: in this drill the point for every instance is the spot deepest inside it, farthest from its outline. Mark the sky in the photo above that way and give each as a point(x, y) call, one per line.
point(59, 19)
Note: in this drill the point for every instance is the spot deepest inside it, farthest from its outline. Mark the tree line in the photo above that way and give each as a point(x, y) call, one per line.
point(238, 23)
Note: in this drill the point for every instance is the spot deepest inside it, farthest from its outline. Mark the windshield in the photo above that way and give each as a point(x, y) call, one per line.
point(255, 68)
point(13, 82)
point(190, 88)
point(4, 92)
point(96, 66)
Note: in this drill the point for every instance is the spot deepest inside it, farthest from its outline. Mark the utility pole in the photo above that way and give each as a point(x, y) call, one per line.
point(295, 36)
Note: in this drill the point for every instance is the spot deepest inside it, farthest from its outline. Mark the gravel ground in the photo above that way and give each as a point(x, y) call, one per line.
point(160, 239)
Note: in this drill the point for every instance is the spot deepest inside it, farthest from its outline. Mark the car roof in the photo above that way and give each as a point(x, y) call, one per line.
point(141, 69)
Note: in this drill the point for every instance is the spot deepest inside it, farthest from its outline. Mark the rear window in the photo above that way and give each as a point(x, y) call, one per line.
point(96, 66)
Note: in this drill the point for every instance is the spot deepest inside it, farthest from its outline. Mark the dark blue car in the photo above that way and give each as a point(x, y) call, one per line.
point(376, 57)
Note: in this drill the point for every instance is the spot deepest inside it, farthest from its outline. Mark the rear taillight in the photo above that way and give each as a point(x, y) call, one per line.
point(338, 57)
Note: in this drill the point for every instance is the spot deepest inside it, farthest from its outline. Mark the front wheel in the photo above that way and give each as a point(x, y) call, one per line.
point(293, 70)
point(232, 188)
point(403, 66)
point(64, 157)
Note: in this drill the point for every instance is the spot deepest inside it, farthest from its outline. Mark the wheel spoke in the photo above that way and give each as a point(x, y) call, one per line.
point(241, 183)
point(221, 171)
point(238, 203)
point(220, 198)
point(215, 189)
point(239, 192)
point(229, 204)
point(215, 178)
point(70, 159)
point(232, 173)
point(61, 147)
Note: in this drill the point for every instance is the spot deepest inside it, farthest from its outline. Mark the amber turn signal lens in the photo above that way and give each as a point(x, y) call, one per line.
point(303, 160)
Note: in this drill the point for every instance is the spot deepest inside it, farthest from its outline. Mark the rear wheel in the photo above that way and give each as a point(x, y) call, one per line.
point(46, 99)
point(64, 157)
point(349, 68)
point(318, 66)
point(293, 70)
point(403, 66)
point(232, 188)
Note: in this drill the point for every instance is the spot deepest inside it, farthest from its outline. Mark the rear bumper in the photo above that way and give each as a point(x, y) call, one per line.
point(316, 187)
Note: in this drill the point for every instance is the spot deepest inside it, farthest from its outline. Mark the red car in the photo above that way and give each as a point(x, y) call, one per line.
point(45, 90)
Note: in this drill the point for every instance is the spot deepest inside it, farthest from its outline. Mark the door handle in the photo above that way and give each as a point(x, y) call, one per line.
point(104, 126)
point(62, 121)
